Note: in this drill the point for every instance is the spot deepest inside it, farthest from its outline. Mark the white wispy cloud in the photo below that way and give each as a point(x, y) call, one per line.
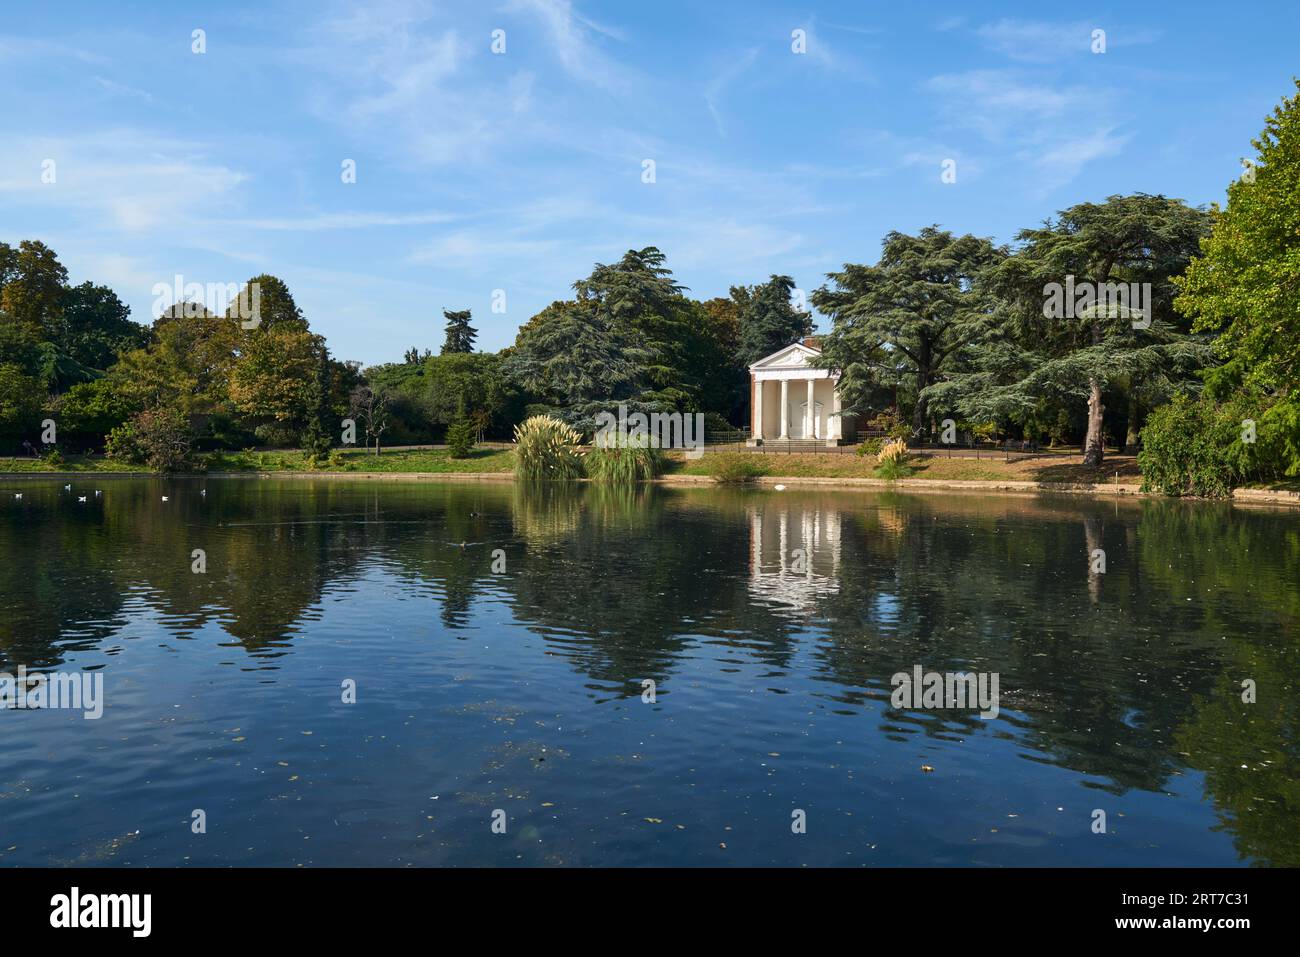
point(16, 48)
point(122, 89)
point(134, 179)
point(572, 37)
point(390, 72)
point(715, 88)
point(1034, 41)
point(1052, 132)
point(349, 220)
point(999, 104)
point(1062, 162)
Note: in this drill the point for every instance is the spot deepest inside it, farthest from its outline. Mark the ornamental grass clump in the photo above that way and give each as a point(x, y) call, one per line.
point(625, 463)
point(547, 450)
point(892, 460)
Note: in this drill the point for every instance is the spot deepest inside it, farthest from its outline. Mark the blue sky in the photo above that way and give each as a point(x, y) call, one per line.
point(477, 171)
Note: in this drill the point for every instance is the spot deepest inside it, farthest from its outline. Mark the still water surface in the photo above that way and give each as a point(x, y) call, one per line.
point(770, 622)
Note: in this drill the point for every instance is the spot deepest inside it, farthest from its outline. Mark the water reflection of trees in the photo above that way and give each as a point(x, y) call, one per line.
point(1128, 676)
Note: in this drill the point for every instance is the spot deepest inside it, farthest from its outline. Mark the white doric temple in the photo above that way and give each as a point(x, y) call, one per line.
point(791, 399)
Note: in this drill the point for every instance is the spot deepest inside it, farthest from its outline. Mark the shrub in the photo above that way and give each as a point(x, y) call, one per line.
point(900, 431)
point(158, 438)
point(315, 441)
point(870, 447)
point(276, 436)
point(460, 438)
point(625, 464)
point(547, 449)
point(1194, 446)
point(733, 468)
point(53, 457)
point(714, 423)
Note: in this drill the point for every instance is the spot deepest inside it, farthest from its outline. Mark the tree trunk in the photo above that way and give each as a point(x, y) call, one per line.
point(1133, 434)
point(919, 414)
point(1093, 451)
point(1093, 447)
point(918, 419)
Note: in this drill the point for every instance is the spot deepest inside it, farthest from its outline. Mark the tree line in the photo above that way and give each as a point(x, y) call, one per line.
point(1137, 323)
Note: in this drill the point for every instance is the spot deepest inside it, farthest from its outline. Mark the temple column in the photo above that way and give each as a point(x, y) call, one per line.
point(785, 409)
point(810, 414)
point(836, 430)
point(758, 409)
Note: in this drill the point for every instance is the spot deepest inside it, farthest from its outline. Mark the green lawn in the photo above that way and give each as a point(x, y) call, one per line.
point(350, 460)
point(1050, 467)
point(73, 463)
point(1053, 467)
point(359, 460)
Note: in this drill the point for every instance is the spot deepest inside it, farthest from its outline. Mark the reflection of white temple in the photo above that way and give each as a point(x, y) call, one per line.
point(794, 554)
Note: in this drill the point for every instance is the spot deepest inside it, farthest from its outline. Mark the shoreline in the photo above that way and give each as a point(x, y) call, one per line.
point(1240, 496)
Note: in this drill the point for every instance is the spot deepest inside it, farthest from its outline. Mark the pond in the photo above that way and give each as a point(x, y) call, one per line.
point(308, 672)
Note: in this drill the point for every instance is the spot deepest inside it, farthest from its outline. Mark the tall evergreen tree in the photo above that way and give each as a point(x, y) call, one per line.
point(1097, 345)
point(318, 436)
point(768, 320)
point(460, 334)
point(906, 320)
point(579, 362)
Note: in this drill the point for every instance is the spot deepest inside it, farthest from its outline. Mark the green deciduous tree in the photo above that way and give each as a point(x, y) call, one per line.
point(97, 326)
point(20, 403)
point(276, 306)
point(1245, 283)
point(272, 379)
point(32, 283)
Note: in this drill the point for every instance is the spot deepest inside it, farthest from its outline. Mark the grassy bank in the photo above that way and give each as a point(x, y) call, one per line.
point(1055, 468)
point(359, 460)
point(1062, 467)
point(349, 460)
point(73, 463)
